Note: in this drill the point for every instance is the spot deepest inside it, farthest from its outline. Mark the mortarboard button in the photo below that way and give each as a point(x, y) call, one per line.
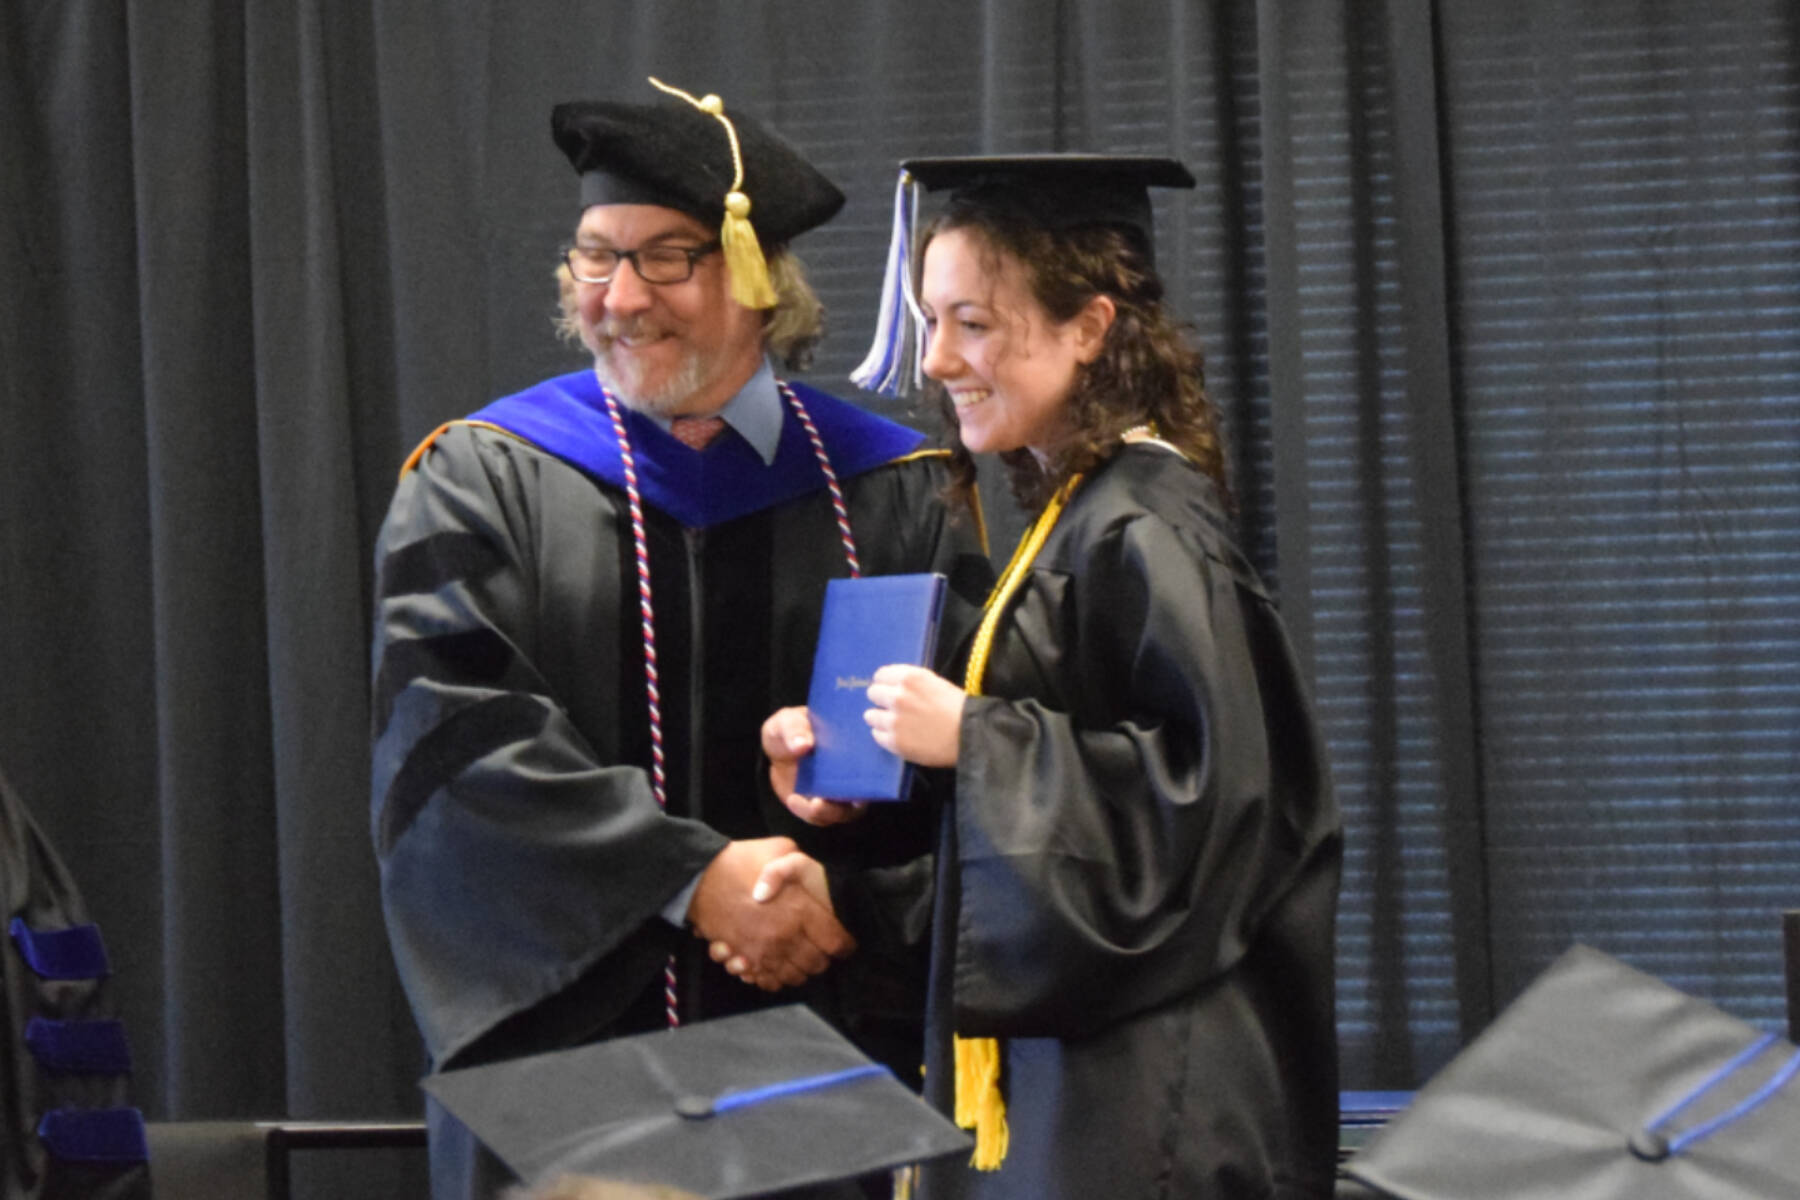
point(1648, 1147)
point(694, 1108)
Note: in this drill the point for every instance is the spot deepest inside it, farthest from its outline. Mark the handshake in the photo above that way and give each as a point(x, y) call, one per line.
point(763, 930)
point(764, 906)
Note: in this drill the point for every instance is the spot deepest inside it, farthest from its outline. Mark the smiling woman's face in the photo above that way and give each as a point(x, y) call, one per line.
point(1008, 366)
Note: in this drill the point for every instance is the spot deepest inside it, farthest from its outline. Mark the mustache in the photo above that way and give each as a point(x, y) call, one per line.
point(606, 332)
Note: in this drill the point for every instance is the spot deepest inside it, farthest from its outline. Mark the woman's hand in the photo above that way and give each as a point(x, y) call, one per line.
point(917, 714)
point(787, 738)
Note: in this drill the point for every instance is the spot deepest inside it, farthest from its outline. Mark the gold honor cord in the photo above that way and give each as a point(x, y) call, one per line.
point(979, 1104)
point(750, 284)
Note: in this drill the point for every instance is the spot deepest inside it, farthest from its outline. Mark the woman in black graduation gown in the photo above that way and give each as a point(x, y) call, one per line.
point(1131, 907)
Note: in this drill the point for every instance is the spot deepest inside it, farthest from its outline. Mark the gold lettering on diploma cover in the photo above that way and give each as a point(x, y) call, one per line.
point(845, 682)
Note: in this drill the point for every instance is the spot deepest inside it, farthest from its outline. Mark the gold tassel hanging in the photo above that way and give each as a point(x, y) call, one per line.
point(750, 284)
point(979, 1104)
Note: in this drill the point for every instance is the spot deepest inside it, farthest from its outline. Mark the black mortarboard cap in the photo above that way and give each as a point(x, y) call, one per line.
point(1061, 191)
point(1058, 191)
point(672, 153)
point(1600, 1083)
point(739, 1106)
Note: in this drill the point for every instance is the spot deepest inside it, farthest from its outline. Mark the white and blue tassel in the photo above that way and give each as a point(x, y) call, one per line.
point(892, 367)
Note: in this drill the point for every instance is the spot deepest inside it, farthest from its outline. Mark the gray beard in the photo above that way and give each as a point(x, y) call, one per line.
point(661, 402)
point(664, 401)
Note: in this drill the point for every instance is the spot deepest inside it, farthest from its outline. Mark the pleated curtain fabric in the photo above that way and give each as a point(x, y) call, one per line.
point(1499, 305)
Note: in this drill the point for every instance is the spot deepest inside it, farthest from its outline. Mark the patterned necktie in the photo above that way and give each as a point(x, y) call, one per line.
point(697, 432)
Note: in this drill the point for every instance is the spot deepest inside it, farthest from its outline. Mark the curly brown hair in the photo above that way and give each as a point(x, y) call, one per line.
point(1146, 373)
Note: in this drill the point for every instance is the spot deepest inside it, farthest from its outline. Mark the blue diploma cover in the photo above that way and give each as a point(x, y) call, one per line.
point(867, 624)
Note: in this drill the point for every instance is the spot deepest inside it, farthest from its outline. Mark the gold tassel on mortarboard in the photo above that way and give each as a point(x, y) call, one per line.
point(750, 284)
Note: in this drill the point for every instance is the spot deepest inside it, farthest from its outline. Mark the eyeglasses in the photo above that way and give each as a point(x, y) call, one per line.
point(654, 264)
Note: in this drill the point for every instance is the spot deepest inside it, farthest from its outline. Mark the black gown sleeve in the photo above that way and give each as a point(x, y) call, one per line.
point(513, 857)
point(1124, 825)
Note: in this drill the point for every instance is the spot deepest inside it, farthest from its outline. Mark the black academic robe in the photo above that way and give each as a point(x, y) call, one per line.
point(525, 864)
point(1136, 881)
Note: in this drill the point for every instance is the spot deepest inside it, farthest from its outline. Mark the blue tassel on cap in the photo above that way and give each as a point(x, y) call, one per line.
point(892, 365)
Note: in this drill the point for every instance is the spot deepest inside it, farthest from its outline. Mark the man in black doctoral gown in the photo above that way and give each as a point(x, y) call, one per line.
point(591, 593)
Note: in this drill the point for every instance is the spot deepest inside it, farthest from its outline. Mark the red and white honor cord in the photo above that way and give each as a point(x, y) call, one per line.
point(831, 479)
point(647, 606)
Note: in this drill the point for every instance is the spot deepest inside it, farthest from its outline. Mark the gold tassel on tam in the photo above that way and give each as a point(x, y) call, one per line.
point(979, 1104)
point(750, 284)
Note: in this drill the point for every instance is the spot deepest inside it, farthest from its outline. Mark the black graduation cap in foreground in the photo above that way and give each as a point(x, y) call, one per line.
point(1600, 1083)
point(739, 1106)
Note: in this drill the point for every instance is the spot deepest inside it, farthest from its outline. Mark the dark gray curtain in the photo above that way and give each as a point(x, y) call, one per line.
point(1501, 303)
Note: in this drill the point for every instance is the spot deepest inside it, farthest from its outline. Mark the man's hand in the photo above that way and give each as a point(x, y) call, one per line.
point(787, 738)
point(778, 942)
point(806, 874)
